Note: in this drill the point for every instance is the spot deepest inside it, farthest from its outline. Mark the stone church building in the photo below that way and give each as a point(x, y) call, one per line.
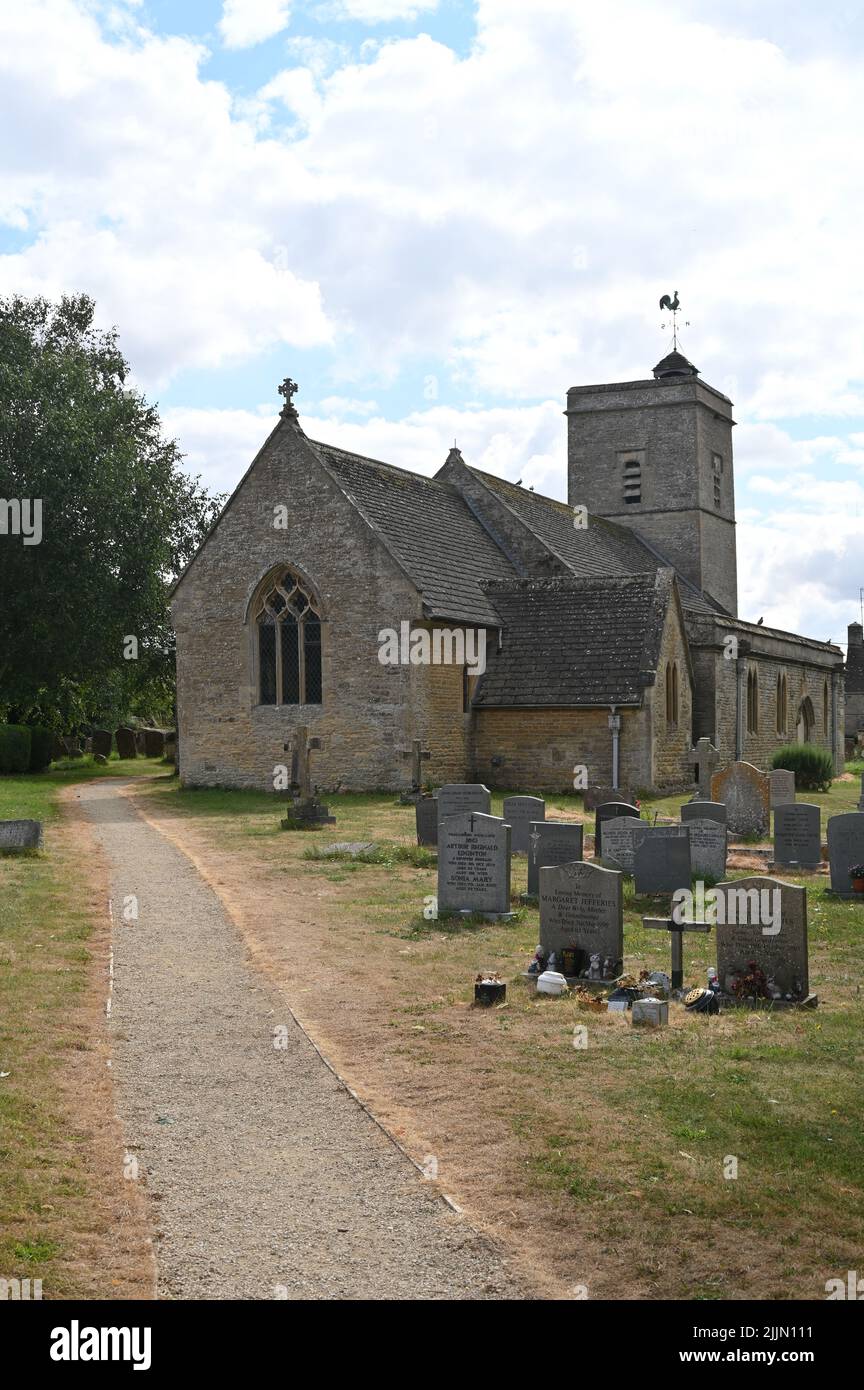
point(611, 627)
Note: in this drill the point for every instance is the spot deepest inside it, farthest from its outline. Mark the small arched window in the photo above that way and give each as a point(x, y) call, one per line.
point(288, 628)
point(752, 701)
point(671, 692)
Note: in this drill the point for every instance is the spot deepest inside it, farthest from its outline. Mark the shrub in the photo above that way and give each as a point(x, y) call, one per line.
point(813, 767)
point(14, 748)
point(41, 741)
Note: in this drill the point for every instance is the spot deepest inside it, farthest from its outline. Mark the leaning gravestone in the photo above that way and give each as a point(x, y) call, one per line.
point(707, 848)
point(746, 794)
point(595, 796)
point(608, 811)
point(474, 864)
point(519, 812)
point(426, 809)
point(621, 834)
point(762, 932)
point(661, 863)
point(581, 911)
point(20, 834)
point(126, 746)
point(704, 810)
point(798, 835)
point(460, 798)
point(551, 842)
point(845, 848)
point(102, 742)
point(782, 787)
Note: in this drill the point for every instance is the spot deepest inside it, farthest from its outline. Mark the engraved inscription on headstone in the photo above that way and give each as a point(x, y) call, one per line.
point(551, 842)
point(782, 787)
point(20, 834)
point(620, 837)
point(797, 835)
point(473, 864)
point(581, 911)
point(661, 863)
point(707, 848)
point(704, 810)
point(459, 798)
point(755, 941)
point(519, 812)
point(608, 811)
point(845, 848)
point(746, 793)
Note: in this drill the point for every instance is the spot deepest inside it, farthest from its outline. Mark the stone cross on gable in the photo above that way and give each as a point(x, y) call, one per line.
point(418, 755)
point(288, 389)
point(301, 748)
point(677, 929)
point(703, 759)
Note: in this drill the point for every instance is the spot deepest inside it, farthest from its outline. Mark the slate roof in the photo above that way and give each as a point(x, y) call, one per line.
point(575, 642)
point(428, 529)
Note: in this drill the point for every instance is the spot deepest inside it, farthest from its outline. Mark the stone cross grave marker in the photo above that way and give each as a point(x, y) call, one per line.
point(426, 810)
point(551, 842)
point(519, 812)
point(746, 793)
point(307, 809)
point(798, 835)
point(460, 798)
point(707, 848)
point(762, 932)
point(581, 910)
point(782, 787)
point(20, 834)
point(418, 755)
point(703, 810)
point(676, 929)
point(474, 864)
point(703, 759)
point(621, 834)
point(661, 863)
point(608, 811)
point(845, 848)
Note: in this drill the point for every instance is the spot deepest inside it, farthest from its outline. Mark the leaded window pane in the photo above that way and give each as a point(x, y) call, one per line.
point(267, 659)
point(312, 658)
point(290, 660)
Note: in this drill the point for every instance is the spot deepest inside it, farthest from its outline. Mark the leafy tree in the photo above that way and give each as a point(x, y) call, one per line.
point(119, 520)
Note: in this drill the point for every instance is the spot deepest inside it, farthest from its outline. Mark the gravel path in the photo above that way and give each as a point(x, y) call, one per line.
point(267, 1179)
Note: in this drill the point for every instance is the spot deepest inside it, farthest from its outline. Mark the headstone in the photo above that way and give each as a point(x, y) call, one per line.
point(703, 759)
point(519, 812)
point(707, 848)
point(581, 911)
point(126, 746)
point(307, 813)
point(551, 842)
point(798, 835)
point(418, 755)
point(861, 797)
point(703, 810)
point(426, 809)
point(72, 747)
point(102, 742)
point(595, 796)
point(661, 863)
point(620, 837)
point(607, 811)
point(100, 758)
point(782, 787)
point(762, 934)
point(845, 848)
point(474, 864)
point(20, 834)
point(746, 794)
point(460, 798)
point(154, 743)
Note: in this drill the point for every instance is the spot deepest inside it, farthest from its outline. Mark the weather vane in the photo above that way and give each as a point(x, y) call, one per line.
point(673, 304)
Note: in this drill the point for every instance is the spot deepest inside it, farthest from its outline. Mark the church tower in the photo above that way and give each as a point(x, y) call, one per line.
point(656, 455)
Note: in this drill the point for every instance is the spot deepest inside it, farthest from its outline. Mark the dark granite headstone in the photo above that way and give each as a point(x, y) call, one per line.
point(661, 863)
point(551, 842)
point(20, 834)
point(762, 923)
point(704, 810)
point(798, 835)
point(126, 746)
point(154, 743)
point(581, 910)
point(460, 798)
point(621, 834)
point(102, 742)
point(426, 810)
point(607, 811)
point(473, 864)
point(845, 848)
point(519, 812)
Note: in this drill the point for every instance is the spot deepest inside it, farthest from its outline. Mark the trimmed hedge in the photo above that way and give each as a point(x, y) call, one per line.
point(14, 748)
point(813, 767)
point(41, 742)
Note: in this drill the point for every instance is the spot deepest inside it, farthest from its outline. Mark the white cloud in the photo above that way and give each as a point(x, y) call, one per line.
point(376, 11)
point(247, 22)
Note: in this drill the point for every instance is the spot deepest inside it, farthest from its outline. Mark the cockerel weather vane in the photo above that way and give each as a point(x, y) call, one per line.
point(673, 304)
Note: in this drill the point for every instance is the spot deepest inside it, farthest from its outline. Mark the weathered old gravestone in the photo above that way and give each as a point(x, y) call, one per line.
point(418, 755)
point(782, 787)
point(608, 811)
point(595, 796)
point(762, 937)
point(704, 810)
point(519, 812)
point(20, 834)
point(661, 863)
point(154, 743)
point(460, 798)
point(102, 742)
point(845, 848)
point(620, 837)
point(581, 911)
point(474, 864)
point(307, 813)
point(707, 848)
point(551, 842)
point(798, 835)
point(126, 746)
point(426, 809)
point(746, 794)
point(703, 759)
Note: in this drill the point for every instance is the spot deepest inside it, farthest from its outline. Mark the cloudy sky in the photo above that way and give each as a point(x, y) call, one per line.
point(437, 215)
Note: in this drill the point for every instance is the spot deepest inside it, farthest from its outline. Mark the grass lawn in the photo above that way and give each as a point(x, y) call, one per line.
point(602, 1165)
point(66, 1217)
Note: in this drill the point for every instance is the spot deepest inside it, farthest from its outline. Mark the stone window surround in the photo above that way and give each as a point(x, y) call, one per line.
point(254, 606)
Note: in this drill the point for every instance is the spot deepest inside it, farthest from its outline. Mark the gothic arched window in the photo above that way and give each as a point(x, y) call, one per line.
point(671, 692)
point(752, 702)
point(288, 627)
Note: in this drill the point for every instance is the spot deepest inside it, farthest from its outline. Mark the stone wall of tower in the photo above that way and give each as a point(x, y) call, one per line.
point(675, 428)
point(855, 681)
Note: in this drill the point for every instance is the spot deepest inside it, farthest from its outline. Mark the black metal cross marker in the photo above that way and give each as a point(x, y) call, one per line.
point(677, 929)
